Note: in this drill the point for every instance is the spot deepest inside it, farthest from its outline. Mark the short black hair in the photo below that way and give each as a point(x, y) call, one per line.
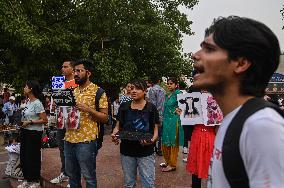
point(71, 62)
point(246, 38)
point(88, 64)
point(140, 84)
point(154, 79)
point(173, 79)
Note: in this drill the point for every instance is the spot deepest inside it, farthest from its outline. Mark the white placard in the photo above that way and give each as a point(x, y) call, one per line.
point(190, 104)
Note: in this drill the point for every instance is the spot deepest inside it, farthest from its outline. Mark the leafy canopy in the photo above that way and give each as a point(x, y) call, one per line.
point(126, 39)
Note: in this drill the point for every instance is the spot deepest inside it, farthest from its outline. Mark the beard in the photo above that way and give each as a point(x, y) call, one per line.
point(81, 81)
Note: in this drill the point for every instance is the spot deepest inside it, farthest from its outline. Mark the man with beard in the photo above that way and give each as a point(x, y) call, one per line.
point(67, 71)
point(80, 145)
point(236, 61)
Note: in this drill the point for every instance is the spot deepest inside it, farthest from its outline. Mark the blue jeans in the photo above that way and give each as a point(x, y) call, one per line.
point(80, 158)
point(146, 168)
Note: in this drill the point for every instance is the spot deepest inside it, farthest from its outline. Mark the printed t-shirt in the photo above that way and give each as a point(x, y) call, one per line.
point(145, 119)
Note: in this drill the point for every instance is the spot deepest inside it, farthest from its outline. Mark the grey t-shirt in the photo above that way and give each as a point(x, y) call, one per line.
point(31, 112)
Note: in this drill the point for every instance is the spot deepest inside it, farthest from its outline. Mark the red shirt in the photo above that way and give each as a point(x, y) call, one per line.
point(70, 84)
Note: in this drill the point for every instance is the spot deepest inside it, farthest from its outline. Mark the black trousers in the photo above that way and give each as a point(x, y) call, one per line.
point(196, 182)
point(30, 155)
point(59, 137)
point(187, 129)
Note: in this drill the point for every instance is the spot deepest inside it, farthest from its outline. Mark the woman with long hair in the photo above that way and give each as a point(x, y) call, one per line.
point(172, 135)
point(33, 120)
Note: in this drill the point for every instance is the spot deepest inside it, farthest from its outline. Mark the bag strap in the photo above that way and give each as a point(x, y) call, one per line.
point(99, 93)
point(123, 108)
point(233, 164)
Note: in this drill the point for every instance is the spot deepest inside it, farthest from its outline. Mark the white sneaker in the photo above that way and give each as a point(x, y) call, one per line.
point(185, 150)
point(34, 185)
point(184, 160)
point(59, 179)
point(68, 186)
point(25, 184)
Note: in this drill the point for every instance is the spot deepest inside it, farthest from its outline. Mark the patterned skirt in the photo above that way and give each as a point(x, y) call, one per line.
point(200, 151)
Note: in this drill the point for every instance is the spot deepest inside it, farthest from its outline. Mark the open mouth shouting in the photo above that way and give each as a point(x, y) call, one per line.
point(198, 69)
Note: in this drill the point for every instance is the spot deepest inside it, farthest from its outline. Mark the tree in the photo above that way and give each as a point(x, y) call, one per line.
point(34, 40)
point(126, 38)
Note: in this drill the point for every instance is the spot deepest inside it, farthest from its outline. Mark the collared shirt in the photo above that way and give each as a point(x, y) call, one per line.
point(157, 96)
point(88, 130)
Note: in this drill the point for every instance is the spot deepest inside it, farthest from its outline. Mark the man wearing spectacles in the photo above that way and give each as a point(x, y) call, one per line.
point(80, 145)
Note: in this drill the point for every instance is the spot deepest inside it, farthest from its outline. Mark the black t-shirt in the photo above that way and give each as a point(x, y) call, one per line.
point(144, 120)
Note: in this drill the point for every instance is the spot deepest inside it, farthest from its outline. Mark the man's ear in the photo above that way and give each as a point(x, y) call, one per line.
point(242, 65)
point(89, 73)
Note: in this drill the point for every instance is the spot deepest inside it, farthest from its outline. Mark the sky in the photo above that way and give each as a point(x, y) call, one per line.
point(202, 15)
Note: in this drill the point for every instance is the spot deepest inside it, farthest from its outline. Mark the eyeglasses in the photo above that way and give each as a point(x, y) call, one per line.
point(79, 70)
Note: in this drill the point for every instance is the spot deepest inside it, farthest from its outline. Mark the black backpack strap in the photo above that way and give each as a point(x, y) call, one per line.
point(99, 94)
point(233, 164)
point(123, 108)
point(101, 129)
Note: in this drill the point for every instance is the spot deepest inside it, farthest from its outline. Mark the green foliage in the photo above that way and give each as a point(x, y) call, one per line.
point(126, 38)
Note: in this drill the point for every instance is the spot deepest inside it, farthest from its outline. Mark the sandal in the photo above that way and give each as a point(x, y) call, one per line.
point(163, 165)
point(168, 169)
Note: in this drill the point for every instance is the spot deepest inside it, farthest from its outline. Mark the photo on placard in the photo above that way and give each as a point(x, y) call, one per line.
point(61, 121)
point(212, 113)
point(190, 105)
point(73, 119)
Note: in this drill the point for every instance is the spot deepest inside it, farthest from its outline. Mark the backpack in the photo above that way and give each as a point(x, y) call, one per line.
point(233, 164)
point(101, 126)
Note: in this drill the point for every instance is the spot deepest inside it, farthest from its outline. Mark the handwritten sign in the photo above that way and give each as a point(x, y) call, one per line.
point(275, 87)
point(57, 82)
point(63, 97)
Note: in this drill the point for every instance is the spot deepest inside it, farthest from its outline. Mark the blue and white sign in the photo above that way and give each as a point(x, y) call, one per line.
point(57, 82)
point(276, 77)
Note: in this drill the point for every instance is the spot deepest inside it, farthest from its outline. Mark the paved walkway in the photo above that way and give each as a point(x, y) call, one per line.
point(109, 172)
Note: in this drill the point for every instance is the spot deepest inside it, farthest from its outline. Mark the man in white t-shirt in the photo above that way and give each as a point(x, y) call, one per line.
point(236, 60)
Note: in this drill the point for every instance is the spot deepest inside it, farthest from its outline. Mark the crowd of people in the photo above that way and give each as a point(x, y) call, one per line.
point(236, 60)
